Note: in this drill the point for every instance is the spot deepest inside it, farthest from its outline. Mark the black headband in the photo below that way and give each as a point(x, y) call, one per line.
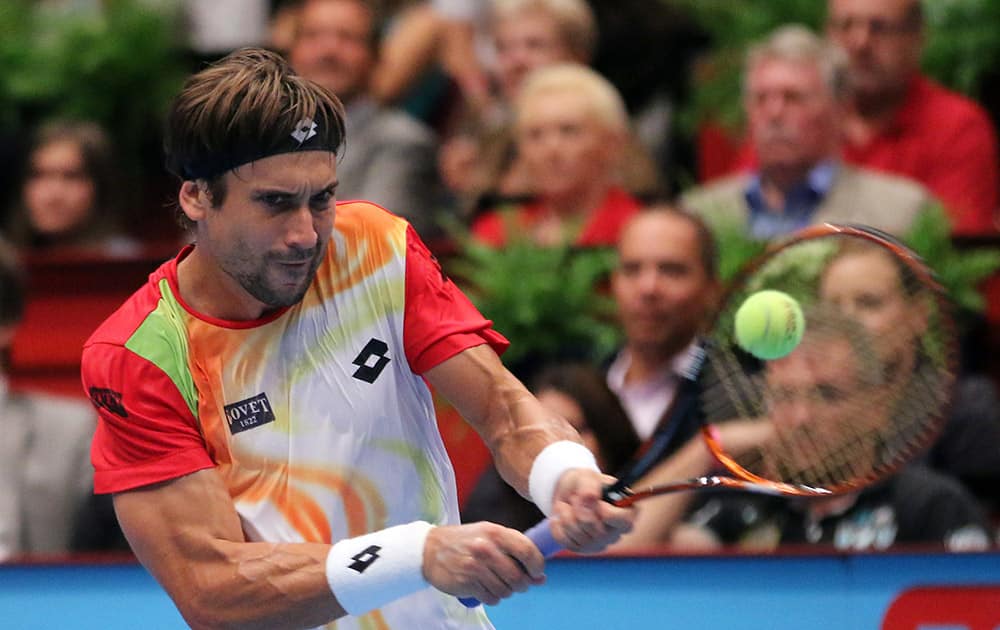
point(305, 136)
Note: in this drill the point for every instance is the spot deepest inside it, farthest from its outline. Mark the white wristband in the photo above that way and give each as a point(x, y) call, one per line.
point(369, 571)
point(550, 464)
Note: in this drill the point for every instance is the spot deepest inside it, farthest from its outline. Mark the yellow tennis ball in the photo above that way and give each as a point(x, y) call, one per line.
point(769, 324)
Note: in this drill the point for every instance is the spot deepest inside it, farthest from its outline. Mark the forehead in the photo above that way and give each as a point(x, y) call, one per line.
point(287, 170)
point(817, 362)
point(659, 235)
point(871, 269)
point(893, 9)
point(556, 104)
point(777, 73)
point(342, 14)
point(531, 20)
point(58, 151)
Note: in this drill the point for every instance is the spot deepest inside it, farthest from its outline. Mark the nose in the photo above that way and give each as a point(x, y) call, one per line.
point(792, 412)
point(300, 229)
point(648, 281)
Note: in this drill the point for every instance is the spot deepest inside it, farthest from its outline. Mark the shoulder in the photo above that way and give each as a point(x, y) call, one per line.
point(719, 198)
point(127, 318)
point(884, 186)
point(363, 220)
point(944, 107)
point(920, 488)
point(725, 189)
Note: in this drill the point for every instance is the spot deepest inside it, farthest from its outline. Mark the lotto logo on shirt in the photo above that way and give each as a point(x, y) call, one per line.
point(249, 413)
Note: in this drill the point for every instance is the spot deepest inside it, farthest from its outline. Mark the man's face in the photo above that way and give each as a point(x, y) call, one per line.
point(819, 405)
point(525, 41)
point(661, 287)
point(792, 114)
point(333, 46)
point(59, 194)
point(882, 42)
point(564, 144)
point(271, 232)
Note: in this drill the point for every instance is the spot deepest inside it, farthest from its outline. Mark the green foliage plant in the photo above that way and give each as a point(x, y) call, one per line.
point(547, 301)
point(117, 64)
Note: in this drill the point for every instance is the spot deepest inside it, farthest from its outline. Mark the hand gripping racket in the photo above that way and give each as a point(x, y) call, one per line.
point(865, 390)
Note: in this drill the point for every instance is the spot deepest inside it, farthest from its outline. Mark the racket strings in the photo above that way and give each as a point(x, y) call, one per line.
point(852, 402)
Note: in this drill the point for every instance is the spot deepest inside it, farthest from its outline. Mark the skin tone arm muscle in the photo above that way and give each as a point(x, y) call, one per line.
point(187, 533)
point(516, 427)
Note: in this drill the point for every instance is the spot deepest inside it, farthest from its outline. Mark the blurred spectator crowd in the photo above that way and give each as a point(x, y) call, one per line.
point(555, 123)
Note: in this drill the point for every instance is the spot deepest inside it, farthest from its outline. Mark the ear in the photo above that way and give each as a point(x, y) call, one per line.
point(194, 200)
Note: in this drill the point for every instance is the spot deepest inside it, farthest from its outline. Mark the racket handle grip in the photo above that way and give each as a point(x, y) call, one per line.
point(541, 535)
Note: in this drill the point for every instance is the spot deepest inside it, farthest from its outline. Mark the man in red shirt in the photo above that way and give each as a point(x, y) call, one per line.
point(902, 122)
point(899, 121)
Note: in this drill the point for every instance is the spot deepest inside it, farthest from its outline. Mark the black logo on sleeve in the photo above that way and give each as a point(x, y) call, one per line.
point(365, 559)
point(108, 399)
point(371, 361)
point(249, 413)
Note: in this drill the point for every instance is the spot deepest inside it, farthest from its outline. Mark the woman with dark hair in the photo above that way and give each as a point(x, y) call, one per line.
point(578, 393)
point(69, 195)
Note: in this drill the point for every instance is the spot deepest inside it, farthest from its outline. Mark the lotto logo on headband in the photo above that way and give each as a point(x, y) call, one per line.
point(304, 129)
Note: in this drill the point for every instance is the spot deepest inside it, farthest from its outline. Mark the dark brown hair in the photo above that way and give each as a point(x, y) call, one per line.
point(100, 168)
point(245, 107)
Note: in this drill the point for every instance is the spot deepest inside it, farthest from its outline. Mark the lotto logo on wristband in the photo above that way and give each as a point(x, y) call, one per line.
point(365, 559)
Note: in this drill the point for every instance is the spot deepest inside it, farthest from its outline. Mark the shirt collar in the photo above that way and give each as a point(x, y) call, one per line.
point(677, 366)
point(819, 180)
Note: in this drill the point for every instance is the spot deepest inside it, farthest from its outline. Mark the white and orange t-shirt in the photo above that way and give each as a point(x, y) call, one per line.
point(316, 417)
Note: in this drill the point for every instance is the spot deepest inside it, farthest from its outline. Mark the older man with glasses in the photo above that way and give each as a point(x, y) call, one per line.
point(902, 122)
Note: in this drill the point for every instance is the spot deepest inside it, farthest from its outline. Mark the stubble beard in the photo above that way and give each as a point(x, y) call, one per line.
point(257, 283)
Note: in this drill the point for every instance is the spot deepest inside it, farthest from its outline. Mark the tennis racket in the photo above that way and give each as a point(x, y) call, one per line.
point(852, 403)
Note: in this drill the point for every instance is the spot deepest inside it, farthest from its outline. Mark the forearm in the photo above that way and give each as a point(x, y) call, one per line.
point(512, 423)
point(192, 542)
point(259, 585)
point(520, 427)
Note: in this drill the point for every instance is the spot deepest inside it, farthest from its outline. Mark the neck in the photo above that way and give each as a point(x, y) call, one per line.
point(876, 110)
point(577, 205)
point(209, 290)
point(646, 362)
point(776, 182)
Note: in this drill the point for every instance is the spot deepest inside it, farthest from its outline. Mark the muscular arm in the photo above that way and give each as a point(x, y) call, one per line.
point(187, 534)
point(514, 425)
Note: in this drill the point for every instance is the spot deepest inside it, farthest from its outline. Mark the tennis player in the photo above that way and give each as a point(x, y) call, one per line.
point(265, 425)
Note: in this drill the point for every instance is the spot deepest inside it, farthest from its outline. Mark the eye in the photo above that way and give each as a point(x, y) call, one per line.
point(829, 393)
point(275, 200)
point(322, 199)
point(629, 269)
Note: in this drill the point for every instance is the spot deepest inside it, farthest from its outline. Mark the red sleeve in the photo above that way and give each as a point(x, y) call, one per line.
point(967, 178)
point(438, 320)
point(145, 431)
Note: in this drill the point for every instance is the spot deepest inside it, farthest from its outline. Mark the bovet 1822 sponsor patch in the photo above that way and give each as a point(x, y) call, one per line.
point(249, 413)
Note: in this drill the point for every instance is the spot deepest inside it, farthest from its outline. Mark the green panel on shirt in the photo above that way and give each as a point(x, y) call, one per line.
point(162, 340)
